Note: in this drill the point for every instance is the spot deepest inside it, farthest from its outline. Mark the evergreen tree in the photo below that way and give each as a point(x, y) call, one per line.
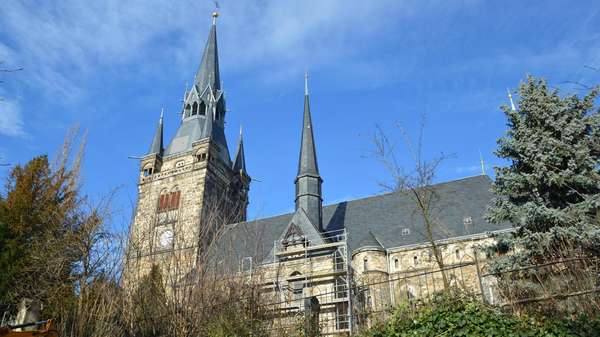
point(38, 218)
point(551, 189)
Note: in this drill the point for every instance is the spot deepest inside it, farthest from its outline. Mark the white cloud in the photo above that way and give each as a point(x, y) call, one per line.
point(11, 119)
point(64, 44)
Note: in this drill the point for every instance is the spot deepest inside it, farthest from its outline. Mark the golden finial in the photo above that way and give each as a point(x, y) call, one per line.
point(215, 14)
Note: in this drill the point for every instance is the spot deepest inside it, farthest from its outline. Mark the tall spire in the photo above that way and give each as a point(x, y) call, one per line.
point(308, 156)
point(157, 142)
point(208, 72)
point(203, 111)
point(239, 163)
point(308, 181)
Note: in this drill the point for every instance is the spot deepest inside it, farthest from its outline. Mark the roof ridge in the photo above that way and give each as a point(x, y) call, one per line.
point(361, 198)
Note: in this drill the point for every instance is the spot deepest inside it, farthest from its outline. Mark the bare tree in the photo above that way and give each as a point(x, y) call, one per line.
point(202, 290)
point(417, 182)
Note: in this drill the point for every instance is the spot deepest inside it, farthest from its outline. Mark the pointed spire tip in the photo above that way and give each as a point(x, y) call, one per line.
point(482, 163)
point(306, 83)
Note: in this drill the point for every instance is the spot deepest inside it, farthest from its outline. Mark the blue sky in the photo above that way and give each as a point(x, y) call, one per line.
point(111, 65)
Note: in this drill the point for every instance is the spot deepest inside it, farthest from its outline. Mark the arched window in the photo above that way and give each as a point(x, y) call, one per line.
point(396, 264)
point(297, 286)
point(457, 253)
point(147, 170)
point(201, 156)
point(188, 110)
point(416, 260)
point(365, 264)
point(169, 200)
point(195, 108)
point(202, 109)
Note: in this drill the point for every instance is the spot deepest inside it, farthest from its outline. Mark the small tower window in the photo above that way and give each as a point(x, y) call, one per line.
point(416, 260)
point(147, 171)
point(195, 108)
point(365, 264)
point(202, 109)
point(396, 264)
point(188, 110)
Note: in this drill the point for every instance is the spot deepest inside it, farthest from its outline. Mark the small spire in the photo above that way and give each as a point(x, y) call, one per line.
point(157, 142)
point(512, 104)
point(482, 163)
point(239, 163)
point(306, 83)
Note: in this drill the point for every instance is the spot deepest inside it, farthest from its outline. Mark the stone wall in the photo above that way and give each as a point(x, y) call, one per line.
point(203, 181)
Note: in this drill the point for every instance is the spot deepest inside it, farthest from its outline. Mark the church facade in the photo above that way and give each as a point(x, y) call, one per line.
point(336, 264)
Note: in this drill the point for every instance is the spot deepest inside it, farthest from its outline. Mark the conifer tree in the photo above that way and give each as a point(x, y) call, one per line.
point(550, 190)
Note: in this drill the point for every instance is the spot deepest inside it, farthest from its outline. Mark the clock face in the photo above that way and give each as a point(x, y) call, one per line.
point(166, 238)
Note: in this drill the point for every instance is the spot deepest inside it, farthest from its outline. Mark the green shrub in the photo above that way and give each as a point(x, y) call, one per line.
point(460, 315)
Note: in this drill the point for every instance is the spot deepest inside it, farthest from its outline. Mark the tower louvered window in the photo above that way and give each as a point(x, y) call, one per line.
point(169, 201)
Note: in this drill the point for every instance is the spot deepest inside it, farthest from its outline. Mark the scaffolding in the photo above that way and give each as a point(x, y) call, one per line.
point(310, 278)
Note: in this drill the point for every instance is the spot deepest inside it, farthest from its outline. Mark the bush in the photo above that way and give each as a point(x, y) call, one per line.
point(465, 316)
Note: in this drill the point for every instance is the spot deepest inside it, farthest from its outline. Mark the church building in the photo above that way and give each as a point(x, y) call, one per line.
point(341, 261)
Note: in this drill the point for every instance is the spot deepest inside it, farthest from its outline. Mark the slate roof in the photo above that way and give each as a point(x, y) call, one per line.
point(307, 164)
point(385, 216)
point(208, 71)
point(369, 242)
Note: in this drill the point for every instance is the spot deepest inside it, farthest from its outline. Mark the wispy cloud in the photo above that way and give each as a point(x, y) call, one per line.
point(63, 45)
point(11, 119)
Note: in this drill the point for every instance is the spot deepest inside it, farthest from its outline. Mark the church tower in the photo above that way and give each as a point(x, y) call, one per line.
point(190, 189)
